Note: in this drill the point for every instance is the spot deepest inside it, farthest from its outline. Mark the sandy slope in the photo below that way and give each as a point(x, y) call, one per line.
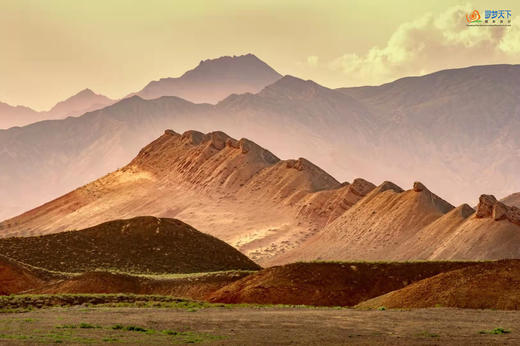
point(483, 286)
point(235, 190)
point(389, 224)
point(373, 227)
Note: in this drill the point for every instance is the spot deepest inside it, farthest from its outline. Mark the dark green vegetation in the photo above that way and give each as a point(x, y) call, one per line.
point(138, 245)
point(87, 333)
point(31, 302)
point(20, 303)
point(498, 330)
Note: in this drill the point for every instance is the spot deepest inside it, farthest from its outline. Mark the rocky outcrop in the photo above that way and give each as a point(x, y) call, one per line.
point(485, 206)
point(489, 207)
point(171, 132)
point(218, 139)
point(193, 137)
point(297, 164)
point(418, 187)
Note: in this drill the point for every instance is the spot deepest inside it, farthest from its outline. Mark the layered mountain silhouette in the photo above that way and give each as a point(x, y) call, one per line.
point(211, 81)
point(454, 129)
point(215, 79)
point(78, 104)
point(17, 115)
point(279, 211)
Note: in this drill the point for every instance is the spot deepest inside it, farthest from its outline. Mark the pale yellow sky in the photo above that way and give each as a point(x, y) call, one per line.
point(54, 48)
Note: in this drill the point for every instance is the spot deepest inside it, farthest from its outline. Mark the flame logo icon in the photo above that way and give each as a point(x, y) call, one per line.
point(473, 17)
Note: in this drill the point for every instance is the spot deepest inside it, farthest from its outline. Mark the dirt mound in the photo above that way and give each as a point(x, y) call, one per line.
point(492, 285)
point(193, 287)
point(142, 245)
point(15, 277)
point(328, 284)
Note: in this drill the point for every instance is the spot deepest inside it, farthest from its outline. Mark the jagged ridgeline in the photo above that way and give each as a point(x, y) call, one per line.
point(279, 211)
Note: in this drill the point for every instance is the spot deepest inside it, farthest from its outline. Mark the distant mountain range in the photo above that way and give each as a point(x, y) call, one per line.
point(455, 130)
point(82, 102)
point(211, 81)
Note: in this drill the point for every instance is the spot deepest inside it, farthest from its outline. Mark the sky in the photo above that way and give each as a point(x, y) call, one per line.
point(52, 49)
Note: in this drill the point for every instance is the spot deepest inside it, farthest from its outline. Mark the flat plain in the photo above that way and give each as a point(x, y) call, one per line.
point(269, 325)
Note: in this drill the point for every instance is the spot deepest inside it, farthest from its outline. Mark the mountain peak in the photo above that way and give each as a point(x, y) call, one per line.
point(84, 101)
point(199, 151)
point(86, 92)
point(239, 68)
point(212, 80)
point(227, 59)
point(294, 88)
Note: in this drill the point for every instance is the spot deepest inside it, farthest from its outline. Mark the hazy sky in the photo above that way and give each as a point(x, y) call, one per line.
point(52, 49)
